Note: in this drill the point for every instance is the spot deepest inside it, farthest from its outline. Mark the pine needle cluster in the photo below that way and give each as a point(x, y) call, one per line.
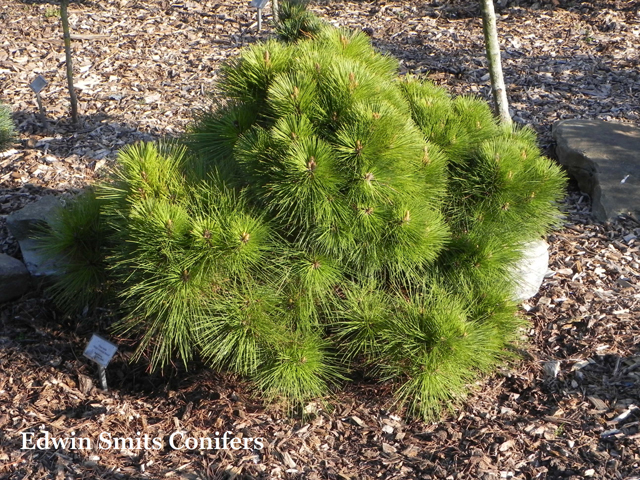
point(7, 128)
point(325, 216)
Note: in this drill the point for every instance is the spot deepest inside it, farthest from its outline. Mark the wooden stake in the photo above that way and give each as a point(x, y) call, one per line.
point(67, 51)
point(495, 64)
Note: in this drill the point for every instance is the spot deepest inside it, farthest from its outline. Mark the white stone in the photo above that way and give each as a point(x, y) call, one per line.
point(531, 270)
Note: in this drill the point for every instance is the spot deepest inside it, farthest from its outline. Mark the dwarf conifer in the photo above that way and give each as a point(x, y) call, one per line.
point(325, 215)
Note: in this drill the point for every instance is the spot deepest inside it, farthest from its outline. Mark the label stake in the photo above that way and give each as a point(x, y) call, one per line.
point(259, 4)
point(37, 85)
point(100, 351)
point(102, 373)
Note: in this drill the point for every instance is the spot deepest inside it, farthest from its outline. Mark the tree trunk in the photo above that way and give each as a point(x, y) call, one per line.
point(64, 16)
point(495, 65)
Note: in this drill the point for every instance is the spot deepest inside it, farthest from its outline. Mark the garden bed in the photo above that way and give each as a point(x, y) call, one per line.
point(141, 69)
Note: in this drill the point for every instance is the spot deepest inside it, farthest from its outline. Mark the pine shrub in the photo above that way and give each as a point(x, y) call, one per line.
point(7, 128)
point(325, 216)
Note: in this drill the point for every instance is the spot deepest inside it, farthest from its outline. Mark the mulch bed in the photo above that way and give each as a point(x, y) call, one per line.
point(567, 410)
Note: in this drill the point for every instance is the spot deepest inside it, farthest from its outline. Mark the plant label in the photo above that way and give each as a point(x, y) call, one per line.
point(260, 4)
point(38, 84)
point(100, 350)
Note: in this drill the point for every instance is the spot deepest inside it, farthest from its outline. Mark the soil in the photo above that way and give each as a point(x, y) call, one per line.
point(568, 409)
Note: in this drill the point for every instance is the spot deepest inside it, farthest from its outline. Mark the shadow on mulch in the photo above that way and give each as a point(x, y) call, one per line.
point(55, 130)
point(66, 156)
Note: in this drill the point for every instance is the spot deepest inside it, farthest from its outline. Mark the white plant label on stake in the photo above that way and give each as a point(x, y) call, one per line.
point(100, 351)
point(38, 84)
point(259, 3)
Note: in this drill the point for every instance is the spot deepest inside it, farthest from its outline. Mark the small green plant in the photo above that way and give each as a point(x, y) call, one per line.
point(325, 216)
point(587, 36)
point(296, 22)
point(7, 128)
point(51, 12)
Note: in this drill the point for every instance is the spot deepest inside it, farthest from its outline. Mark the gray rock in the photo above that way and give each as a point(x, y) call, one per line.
point(14, 278)
point(531, 269)
point(24, 224)
point(41, 268)
point(603, 157)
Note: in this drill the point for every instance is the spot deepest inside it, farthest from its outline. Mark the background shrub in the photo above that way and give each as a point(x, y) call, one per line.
point(7, 128)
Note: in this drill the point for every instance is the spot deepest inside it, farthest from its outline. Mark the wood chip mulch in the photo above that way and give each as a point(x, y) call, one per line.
point(568, 410)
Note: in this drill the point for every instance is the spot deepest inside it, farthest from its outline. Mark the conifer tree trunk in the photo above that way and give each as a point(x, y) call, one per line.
point(64, 16)
point(495, 65)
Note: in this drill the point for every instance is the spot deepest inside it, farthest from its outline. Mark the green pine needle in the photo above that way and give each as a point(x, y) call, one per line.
point(299, 370)
point(78, 239)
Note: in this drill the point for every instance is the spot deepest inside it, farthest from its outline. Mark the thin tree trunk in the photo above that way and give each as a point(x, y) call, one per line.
point(67, 51)
point(495, 64)
point(274, 7)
